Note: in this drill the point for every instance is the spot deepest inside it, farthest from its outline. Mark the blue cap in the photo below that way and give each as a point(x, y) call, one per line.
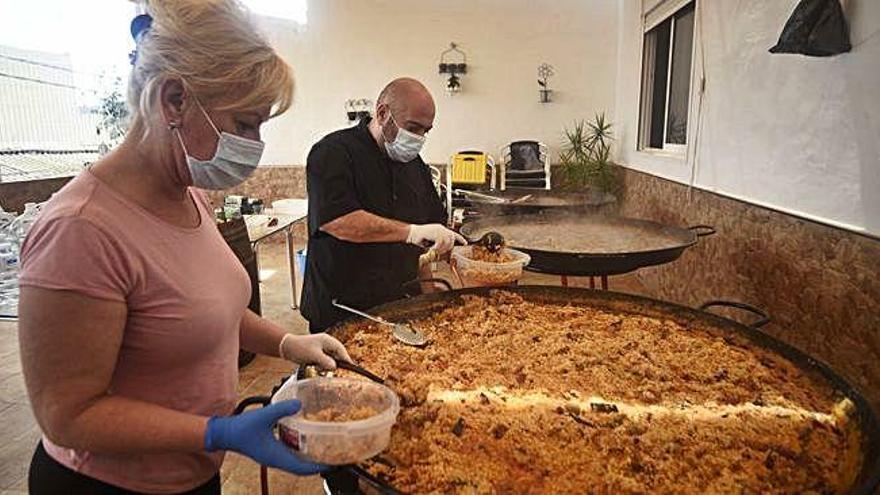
point(140, 24)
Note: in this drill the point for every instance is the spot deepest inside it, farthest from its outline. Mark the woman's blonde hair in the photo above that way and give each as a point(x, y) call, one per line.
point(216, 50)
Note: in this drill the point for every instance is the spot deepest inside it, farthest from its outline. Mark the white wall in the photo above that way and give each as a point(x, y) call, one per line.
point(352, 48)
point(795, 133)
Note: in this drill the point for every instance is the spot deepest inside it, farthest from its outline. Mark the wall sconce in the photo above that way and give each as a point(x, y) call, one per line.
point(455, 68)
point(357, 110)
point(544, 73)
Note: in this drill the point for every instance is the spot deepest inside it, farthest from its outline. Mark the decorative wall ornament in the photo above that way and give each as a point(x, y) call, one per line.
point(358, 109)
point(453, 61)
point(545, 70)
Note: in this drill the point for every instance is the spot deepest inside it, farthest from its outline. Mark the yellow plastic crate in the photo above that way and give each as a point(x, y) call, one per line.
point(469, 167)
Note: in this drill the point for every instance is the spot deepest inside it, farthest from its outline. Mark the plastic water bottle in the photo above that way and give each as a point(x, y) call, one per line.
point(8, 258)
point(8, 251)
point(8, 275)
point(13, 230)
point(6, 218)
point(26, 220)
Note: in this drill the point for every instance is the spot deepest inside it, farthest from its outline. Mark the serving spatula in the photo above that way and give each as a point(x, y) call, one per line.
point(400, 331)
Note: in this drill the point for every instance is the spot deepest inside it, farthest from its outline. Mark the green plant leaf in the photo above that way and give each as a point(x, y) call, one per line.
point(586, 154)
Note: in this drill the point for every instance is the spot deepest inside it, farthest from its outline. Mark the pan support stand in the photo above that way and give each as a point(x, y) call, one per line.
point(603, 280)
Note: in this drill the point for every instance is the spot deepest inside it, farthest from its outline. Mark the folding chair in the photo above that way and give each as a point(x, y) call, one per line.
point(472, 170)
point(524, 164)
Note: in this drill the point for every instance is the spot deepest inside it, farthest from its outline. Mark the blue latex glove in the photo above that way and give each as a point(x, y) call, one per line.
point(251, 434)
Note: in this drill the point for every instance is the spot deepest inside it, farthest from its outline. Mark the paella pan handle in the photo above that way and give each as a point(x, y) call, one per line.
point(359, 472)
point(260, 400)
point(345, 365)
point(763, 317)
point(702, 230)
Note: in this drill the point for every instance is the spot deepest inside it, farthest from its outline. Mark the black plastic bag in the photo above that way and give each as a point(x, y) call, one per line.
point(817, 28)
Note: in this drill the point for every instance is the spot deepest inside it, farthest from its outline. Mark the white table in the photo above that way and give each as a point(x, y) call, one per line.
point(286, 214)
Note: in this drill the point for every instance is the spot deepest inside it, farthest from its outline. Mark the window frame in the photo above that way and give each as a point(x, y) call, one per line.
point(668, 11)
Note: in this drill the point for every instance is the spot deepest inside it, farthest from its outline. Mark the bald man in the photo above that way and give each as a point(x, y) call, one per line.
point(373, 209)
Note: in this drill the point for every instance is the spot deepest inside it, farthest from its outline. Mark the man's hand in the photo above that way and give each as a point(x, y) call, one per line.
point(434, 236)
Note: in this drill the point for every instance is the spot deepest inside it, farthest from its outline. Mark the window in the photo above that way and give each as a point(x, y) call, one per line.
point(666, 82)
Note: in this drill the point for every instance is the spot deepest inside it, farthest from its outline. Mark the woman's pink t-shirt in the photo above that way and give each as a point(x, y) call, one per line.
point(186, 294)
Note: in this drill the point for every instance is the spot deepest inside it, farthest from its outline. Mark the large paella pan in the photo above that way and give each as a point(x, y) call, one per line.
point(554, 390)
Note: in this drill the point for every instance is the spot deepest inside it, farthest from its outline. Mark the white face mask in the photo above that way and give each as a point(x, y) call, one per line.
point(235, 159)
point(406, 146)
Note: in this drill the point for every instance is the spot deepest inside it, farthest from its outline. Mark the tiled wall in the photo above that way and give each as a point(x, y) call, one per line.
point(820, 284)
point(270, 184)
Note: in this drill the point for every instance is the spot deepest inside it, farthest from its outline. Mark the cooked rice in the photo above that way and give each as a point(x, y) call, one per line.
point(515, 396)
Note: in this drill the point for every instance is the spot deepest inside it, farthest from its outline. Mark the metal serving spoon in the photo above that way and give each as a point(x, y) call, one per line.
point(402, 332)
point(484, 197)
point(491, 241)
point(494, 199)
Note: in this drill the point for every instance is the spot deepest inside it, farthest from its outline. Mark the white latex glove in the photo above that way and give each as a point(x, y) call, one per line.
point(319, 349)
point(434, 236)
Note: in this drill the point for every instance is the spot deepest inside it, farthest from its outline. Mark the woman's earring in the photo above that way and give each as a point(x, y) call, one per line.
point(173, 125)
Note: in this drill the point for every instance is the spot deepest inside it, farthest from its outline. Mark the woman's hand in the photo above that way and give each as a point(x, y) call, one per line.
point(320, 349)
point(251, 434)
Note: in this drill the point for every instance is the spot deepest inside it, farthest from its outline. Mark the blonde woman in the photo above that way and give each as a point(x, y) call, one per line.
point(132, 306)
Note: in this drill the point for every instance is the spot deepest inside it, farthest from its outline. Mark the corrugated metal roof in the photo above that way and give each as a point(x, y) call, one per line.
point(44, 103)
point(18, 166)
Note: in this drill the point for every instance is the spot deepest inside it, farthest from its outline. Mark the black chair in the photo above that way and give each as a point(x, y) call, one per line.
point(525, 164)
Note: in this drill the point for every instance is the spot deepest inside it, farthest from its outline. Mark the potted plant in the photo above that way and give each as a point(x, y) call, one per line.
point(112, 112)
point(586, 156)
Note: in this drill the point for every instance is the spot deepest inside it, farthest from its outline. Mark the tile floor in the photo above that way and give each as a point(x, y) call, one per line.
point(19, 432)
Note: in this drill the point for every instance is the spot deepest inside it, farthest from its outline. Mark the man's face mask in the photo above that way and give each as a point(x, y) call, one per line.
point(406, 146)
point(235, 159)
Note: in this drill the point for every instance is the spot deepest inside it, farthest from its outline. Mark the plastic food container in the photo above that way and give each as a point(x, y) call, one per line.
point(337, 441)
point(475, 273)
